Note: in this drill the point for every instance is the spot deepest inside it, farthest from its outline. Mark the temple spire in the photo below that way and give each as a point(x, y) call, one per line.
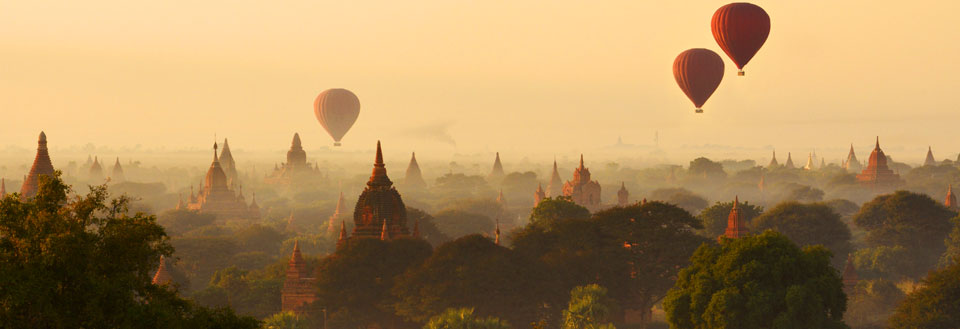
point(162, 277)
point(384, 232)
point(736, 228)
point(950, 201)
point(41, 166)
point(379, 175)
point(929, 161)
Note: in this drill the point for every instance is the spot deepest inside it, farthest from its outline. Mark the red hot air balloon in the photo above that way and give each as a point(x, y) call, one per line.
point(698, 72)
point(740, 29)
point(337, 110)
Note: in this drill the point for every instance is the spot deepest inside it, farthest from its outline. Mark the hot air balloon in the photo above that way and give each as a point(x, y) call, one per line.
point(337, 110)
point(698, 72)
point(740, 29)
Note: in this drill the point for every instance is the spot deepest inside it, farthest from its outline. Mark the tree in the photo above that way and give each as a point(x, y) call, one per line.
point(706, 168)
point(179, 221)
point(805, 193)
point(912, 220)
point(470, 271)
point(427, 226)
point(808, 224)
point(456, 223)
point(253, 293)
point(714, 218)
point(759, 281)
point(953, 244)
point(891, 263)
point(462, 185)
point(85, 262)
point(872, 303)
point(463, 318)
point(552, 210)
point(935, 305)
point(354, 283)
point(658, 239)
point(285, 320)
point(257, 237)
point(681, 197)
point(589, 308)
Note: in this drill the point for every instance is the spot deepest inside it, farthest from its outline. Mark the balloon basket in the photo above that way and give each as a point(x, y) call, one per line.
point(741, 73)
point(698, 110)
point(336, 144)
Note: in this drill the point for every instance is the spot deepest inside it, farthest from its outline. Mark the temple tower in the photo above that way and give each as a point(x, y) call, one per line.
point(162, 276)
point(496, 174)
point(623, 196)
point(298, 288)
point(773, 161)
point(555, 186)
point(116, 175)
point(539, 195)
point(929, 161)
point(582, 190)
point(337, 215)
point(41, 167)
point(851, 164)
point(950, 201)
point(877, 174)
point(96, 172)
point(228, 165)
point(789, 163)
point(810, 163)
point(736, 228)
point(414, 177)
point(379, 204)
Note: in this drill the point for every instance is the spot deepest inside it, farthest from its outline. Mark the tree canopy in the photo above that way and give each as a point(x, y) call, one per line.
point(84, 262)
point(911, 220)
point(463, 318)
point(935, 305)
point(552, 210)
point(759, 281)
point(589, 308)
point(808, 224)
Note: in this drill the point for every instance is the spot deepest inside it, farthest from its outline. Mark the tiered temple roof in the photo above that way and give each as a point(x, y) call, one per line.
point(337, 215)
point(41, 167)
point(789, 163)
point(162, 276)
point(539, 195)
point(810, 164)
point(116, 175)
point(379, 204)
point(218, 198)
point(736, 228)
point(773, 161)
point(296, 169)
point(877, 174)
point(951, 201)
point(623, 196)
point(929, 161)
point(413, 177)
point(582, 190)
point(96, 171)
point(555, 186)
point(851, 164)
point(298, 288)
point(229, 166)
point(496, 174)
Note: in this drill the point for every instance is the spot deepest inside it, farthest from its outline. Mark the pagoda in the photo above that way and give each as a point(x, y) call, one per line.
point(851, 164)
point(337, 215)
point(380, 209)
point(950, 201)
point(623, 196)
point(736, 228)
point(773, 161)
point(116, 175)
point(810, 163)
point(299, 289)
point(162, 277)
point(877, 174)
point(216, 197)
point(41, 167)
point(929, 161)
point(789, 163)
point(496, 174)
point(539, 195)
point(555, 186)
point(582, 190)
point(296, 169)
point(414, 178)
point(229, 166)
point(96, 171)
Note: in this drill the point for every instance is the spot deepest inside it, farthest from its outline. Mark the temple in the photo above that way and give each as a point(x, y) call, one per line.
point(789, 163)
point(877, 174)
point(296, 169)
point(228, 165)
point(298, 288)
point(929, 161)
point(849, 277)
point(810, 163)
point(623, 196)
point(582, 190)
point(380, 209)
point(851, 164)
point(414, 178)
point(337, 215)
point(496, 174)
point(116, 175)
point(773, 161)
point(96, 171)
point(216, 197)
point(950, 201)
point(539, 195)
point(555, 186)
point(736, 228)
point(162, 277)
point(41, 167)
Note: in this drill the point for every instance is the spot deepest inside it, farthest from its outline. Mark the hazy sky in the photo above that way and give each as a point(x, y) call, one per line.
point(488, 75)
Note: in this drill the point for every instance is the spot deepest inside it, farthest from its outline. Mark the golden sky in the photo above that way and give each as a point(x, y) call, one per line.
point(561, 76)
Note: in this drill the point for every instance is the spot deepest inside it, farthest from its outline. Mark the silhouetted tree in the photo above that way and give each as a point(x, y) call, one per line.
point(872, 303)
point(759, 281)
point(681, 197)
point(463, 318)
point(934, 305)
point(589, 308)
point(808, 224)
point(550, 211)
point(703, 167)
